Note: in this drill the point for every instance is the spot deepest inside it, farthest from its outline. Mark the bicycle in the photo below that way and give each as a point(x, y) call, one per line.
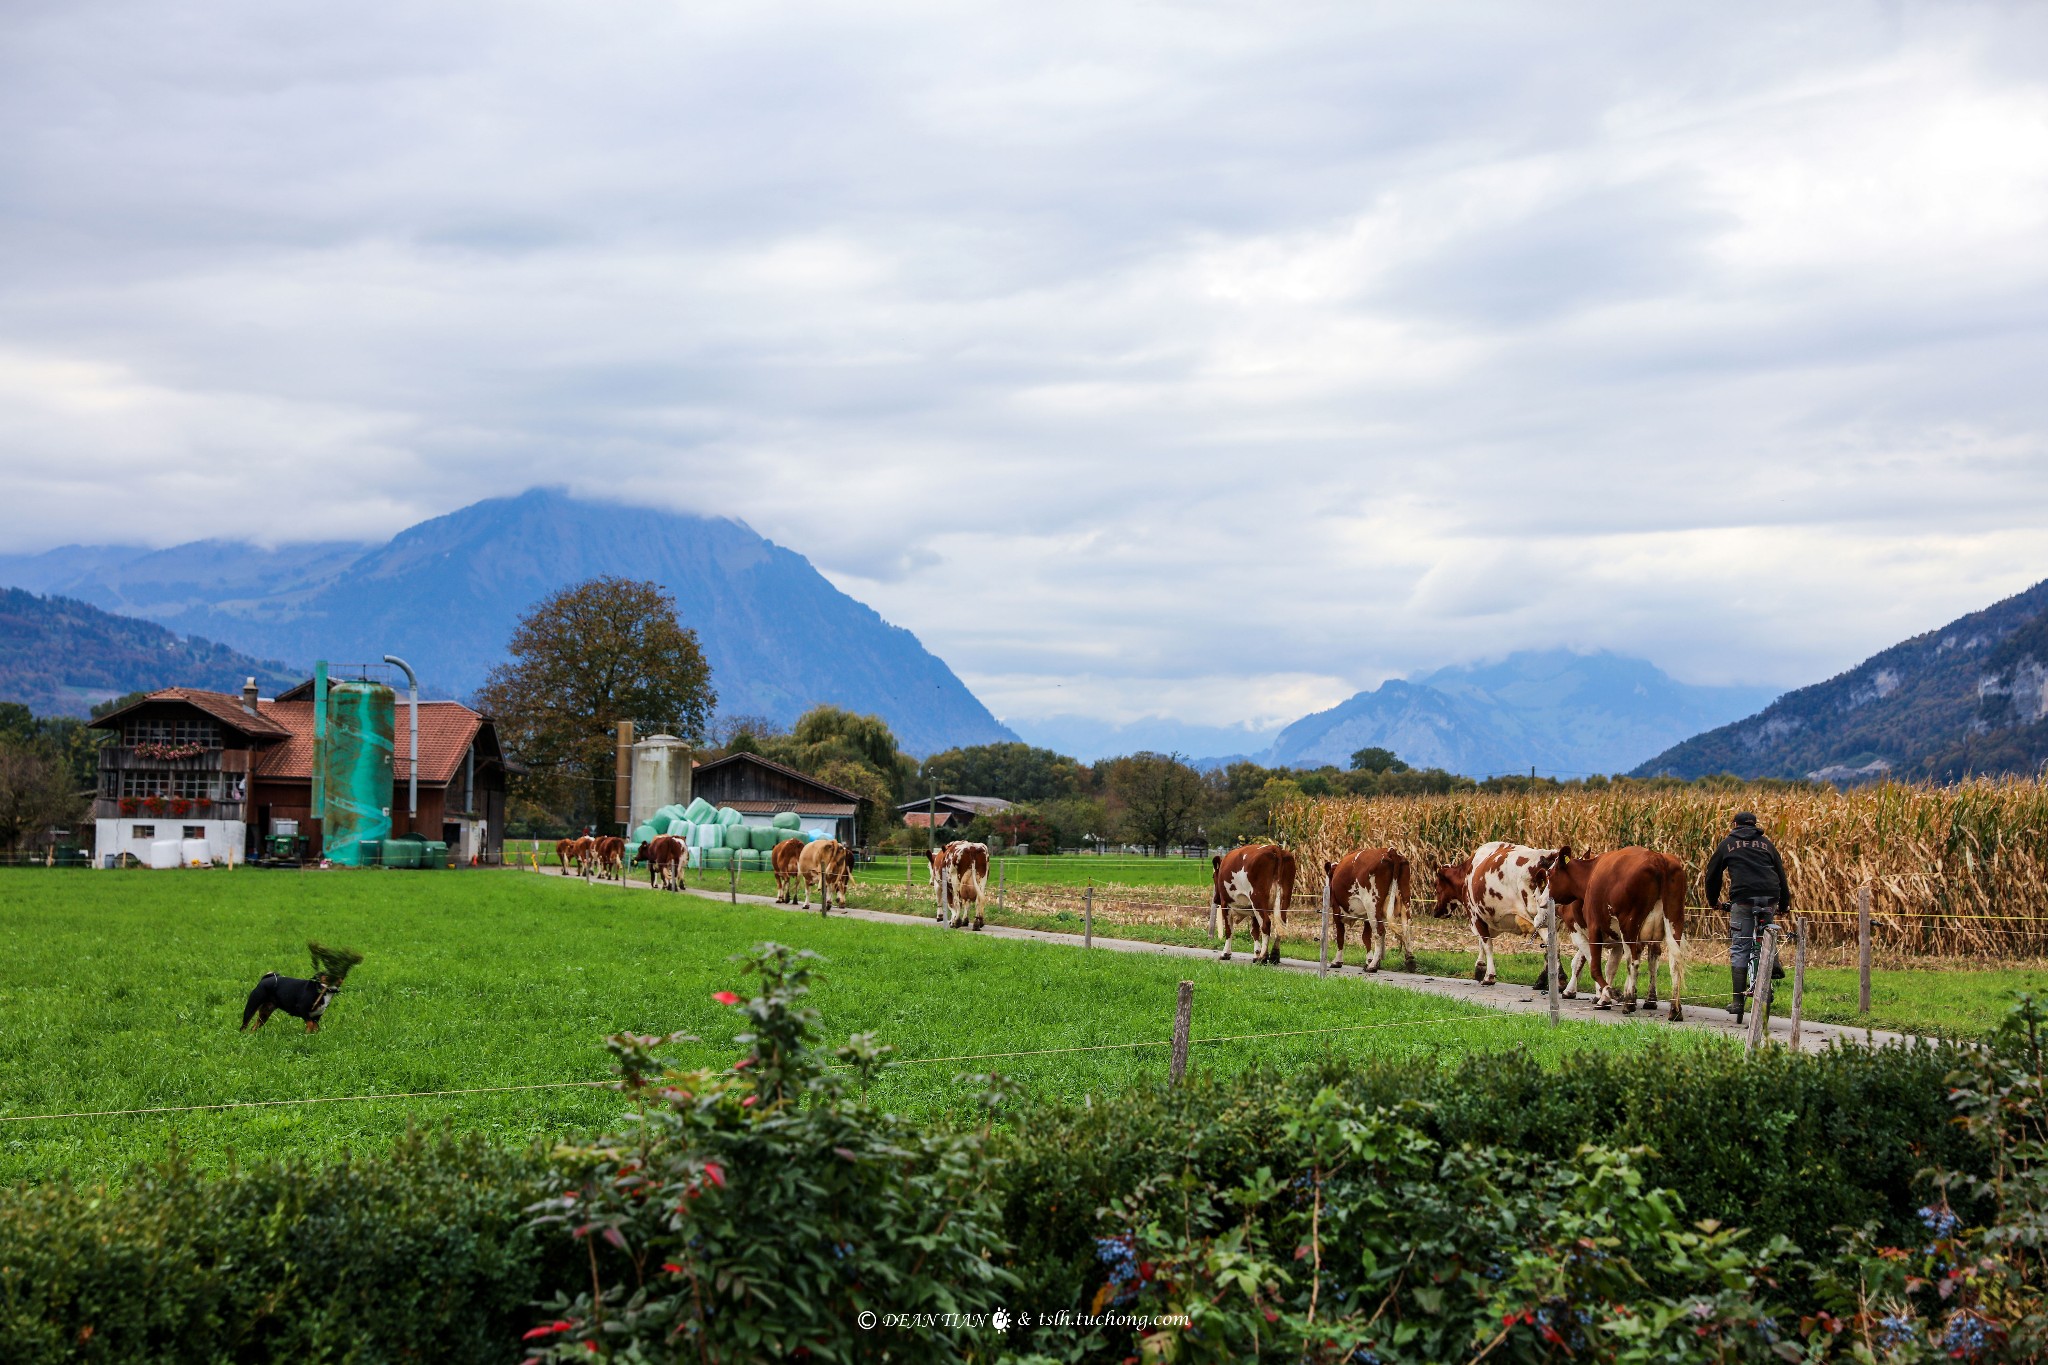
point(1764, 972)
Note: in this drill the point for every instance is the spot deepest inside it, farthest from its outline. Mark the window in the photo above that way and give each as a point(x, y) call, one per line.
point(195, 831)
point(142, 831)
point(192, 786)
point(204, 733)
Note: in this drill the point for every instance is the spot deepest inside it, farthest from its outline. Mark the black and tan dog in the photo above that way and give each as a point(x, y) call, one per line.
point(297, 996)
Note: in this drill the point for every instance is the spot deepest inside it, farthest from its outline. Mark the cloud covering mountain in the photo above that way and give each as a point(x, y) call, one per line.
point(445, 595)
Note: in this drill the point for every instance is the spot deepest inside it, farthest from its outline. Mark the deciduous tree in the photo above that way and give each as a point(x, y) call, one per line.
point(583, 659)
point(1161, 796)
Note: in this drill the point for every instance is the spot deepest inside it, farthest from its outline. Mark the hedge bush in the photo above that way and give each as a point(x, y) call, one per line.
point(750, 1214)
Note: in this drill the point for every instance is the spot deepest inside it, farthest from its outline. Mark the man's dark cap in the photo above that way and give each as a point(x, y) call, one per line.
point(1744, 818)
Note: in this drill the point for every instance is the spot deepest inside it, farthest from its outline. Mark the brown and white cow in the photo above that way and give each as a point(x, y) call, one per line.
point(1631, 900)
point(609, 857)
point(1372, 886)
point(783, 859)
point(959, 875)
point(569, 853)
point(828, 865)
point(1502, 886)
point(1258, 878)
point(665, 856)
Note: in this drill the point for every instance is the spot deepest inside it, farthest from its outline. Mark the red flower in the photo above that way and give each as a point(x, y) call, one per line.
point(725, 997)
point(714, 1172)
point(748, 1102)
point(671, 1267)
point(563, 1325)
point(742, 1064)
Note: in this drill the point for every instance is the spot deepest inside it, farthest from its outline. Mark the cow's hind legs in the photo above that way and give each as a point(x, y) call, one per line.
point(1227, 932)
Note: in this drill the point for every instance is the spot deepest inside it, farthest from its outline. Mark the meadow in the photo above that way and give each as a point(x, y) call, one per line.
point(124, 990)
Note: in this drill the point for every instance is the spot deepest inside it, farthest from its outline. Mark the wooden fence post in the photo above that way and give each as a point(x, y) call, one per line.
point(999, 884)
point(1863, 948)
point(1550, 956)
point(1183, 1016)
point(1323, 952)
point(734, 873)
point(1760, 992)
point(1088, 917)
point(1798, 975)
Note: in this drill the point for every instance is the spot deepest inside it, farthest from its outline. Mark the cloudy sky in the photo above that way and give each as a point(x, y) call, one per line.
point(1209, 361)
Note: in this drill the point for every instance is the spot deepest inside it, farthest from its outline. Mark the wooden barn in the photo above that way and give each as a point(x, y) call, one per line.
point(231, 770)
point(760, 788)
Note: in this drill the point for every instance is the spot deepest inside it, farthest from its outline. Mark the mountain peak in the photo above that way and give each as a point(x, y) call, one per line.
point(447, 592)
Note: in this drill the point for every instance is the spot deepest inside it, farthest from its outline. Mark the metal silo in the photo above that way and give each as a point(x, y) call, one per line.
point(355, 770)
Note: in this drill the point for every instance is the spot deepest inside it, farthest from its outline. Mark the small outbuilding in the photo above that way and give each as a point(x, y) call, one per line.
point(949, 810)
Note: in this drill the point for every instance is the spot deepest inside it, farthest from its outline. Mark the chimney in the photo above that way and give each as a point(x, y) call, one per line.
point(249, 696)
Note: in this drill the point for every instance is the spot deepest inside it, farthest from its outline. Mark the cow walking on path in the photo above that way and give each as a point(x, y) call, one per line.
point(1631, 900)
point(783, 860)
point(569, 853)
point(1259, 879)
point(959, 875)
point(665, 856)
point(826, 864)
point(1502, 886)
point(1372, 886)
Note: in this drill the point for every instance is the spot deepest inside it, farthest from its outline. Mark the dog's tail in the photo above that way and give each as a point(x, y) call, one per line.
point(256, 998)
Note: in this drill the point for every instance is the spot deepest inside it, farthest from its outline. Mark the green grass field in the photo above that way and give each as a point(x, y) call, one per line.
point(124, 989)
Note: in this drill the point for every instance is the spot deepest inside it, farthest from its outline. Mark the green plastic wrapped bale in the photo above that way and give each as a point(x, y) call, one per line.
point(788, 819)
point(728, 816)
point(644, 834)
point(751, 861)
point(700, 812)
point(659, 822)
point(766, 837)
point(738, 836)
point(633, 850)
point(718, 858)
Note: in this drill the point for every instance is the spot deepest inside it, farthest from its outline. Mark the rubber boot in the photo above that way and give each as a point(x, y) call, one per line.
point(1741, 1000)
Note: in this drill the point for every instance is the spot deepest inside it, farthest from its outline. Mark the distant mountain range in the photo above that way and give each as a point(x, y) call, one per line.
point(446, 593)
point(1564, 714)
point(61, 657)
point(1971, 697)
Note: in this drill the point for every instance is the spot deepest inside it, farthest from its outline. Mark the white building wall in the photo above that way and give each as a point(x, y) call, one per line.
point(224, 838)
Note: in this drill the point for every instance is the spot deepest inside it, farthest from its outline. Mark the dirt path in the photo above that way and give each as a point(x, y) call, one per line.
point(1514, 999)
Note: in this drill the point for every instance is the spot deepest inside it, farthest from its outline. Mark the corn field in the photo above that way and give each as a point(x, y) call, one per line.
point(1957, 871)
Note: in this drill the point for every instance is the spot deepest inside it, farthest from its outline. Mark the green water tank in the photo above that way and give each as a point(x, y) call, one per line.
point(435, 854)
point(371, 852)
point(404, 851)
point(355, 768)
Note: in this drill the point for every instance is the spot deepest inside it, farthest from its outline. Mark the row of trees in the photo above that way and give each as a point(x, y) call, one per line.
point(48, 765)
point(612, 648)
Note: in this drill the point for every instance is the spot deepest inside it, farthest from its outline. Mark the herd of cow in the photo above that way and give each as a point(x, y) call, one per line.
point(1630, 901)
point(823, 864)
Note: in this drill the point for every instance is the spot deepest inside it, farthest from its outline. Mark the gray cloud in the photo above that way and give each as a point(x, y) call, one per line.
point(1192, 360)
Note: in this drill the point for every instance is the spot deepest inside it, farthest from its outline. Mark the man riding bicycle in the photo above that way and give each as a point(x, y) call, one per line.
point(1757, 893)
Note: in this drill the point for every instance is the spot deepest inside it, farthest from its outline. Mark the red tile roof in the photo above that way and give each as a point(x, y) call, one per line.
point(446, 731)
point(225, 707)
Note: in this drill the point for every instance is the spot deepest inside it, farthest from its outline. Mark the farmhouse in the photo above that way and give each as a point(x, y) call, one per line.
point(760, 788)
point(220, 772)
point(949, 811)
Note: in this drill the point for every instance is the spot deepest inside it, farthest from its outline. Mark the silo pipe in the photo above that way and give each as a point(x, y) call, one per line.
point(412, 767)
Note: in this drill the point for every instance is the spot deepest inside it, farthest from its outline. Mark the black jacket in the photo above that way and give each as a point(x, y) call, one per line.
point(1752, 866)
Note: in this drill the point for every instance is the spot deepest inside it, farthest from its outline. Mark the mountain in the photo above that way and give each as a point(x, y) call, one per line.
point(1564, 714)
point(1088, 739)
point(60, 657)
point(1971, 697)
point(445, 595)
